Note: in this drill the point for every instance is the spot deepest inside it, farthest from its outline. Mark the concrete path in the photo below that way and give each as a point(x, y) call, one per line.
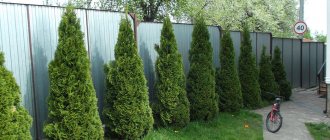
point(305, 106)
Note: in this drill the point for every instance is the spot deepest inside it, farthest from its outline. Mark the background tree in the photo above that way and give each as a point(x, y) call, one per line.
point(201, 78)
point(266, 77)
point(248, 74)
point(15, 120)
point(228, 84)
point(320, 37)
point(72, 102)
point(280, 75)
point(171, 83)
point(308, 35)
point(126, 110)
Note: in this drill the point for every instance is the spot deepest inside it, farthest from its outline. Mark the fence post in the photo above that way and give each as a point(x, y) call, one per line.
point(35, 120)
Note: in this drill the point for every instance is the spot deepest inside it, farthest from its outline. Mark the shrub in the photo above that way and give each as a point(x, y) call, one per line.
point(201, 77)
point(126, 111)
point(15, 120)
point(173, 104)
point(72, 102)
point(248, 74)
point(280, 75)
point(228, 84)
point(268, 86)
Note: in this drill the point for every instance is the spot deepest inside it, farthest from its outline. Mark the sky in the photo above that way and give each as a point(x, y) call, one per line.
point(314, 14)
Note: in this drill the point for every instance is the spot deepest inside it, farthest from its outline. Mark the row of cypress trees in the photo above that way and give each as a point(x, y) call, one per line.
point(72, 101)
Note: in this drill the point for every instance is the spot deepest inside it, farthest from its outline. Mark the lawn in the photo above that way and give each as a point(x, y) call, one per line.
point(320, 131)
point(225, 127)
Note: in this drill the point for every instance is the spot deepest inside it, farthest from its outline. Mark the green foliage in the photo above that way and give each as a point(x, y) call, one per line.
point(268, 85)
point(15, 120)
point(248, 74)
point(173, 104)
point(227, 126)
point(320, 37)
point(72, 102)
point(228, 84)
point(319, 131)
point(126, 111)
point(308, 35)
point(201, 78)
point(280, 75)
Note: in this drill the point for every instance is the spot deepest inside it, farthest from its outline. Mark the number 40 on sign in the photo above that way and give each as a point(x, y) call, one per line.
point(300, 27)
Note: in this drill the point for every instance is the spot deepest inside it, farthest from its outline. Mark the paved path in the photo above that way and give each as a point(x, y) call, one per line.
point(305, 106)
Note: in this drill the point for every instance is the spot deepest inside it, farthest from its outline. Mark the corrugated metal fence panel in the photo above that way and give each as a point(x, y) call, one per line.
point(313, 66)
point(253, 37)
point(296, 63)
point(148, 36)
point(305, 65)
point(320, 57)
point(277, 42)
point(263, 39)
point(44, 33)
point(236, 37)
point(215, 41)
point(183, 35)
point(287, 58)
point(14, 43)
point(103, 29)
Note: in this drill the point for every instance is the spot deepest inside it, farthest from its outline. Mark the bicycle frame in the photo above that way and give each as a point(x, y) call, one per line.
point(275, 108)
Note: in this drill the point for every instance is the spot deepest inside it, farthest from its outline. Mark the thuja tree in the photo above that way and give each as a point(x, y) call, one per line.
point(248, 74)
point(15, 120)
point(201, 78)
point(268, 85)
point(228, 84)
point(127, 112)
point(172, 101)
point(72, 102)
point(280, 75)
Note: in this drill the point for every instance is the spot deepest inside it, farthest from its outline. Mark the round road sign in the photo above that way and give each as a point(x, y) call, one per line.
point(300, 27)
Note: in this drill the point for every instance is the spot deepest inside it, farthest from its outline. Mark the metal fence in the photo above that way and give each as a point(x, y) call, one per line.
point(28, 37)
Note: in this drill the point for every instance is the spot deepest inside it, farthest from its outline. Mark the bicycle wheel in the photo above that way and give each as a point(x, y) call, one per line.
point(275, 123)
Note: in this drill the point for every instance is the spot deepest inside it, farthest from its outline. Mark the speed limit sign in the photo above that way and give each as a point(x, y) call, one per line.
point(300, 27)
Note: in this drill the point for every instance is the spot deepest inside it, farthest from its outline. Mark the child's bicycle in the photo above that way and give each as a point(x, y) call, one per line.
point(274, 119)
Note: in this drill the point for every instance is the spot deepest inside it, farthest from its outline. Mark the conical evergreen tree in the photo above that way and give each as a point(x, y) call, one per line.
point(201, 78)
point(15, 120)
point(248, 75)
point(228, 84)
point(268, 86)
point(170, 85)
point(72, 102)
point(126, 111)
point(280, 75)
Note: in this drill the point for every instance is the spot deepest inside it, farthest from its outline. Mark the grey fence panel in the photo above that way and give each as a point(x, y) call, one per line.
point(215, 42)
point(14, 43)
point(44, 35)
point(305, 65)
point(149, 35)
point(253, 37)
point(183, 35)
point(263, 39)
point(320, 58)
point(103, 29)
point(277, 42)
point(236, 37)
point(287, 59)
point(296, 63)
point(313, 65)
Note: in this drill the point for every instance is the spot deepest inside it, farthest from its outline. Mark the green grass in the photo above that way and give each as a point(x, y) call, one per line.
point(320, 131)
point(225, 127)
